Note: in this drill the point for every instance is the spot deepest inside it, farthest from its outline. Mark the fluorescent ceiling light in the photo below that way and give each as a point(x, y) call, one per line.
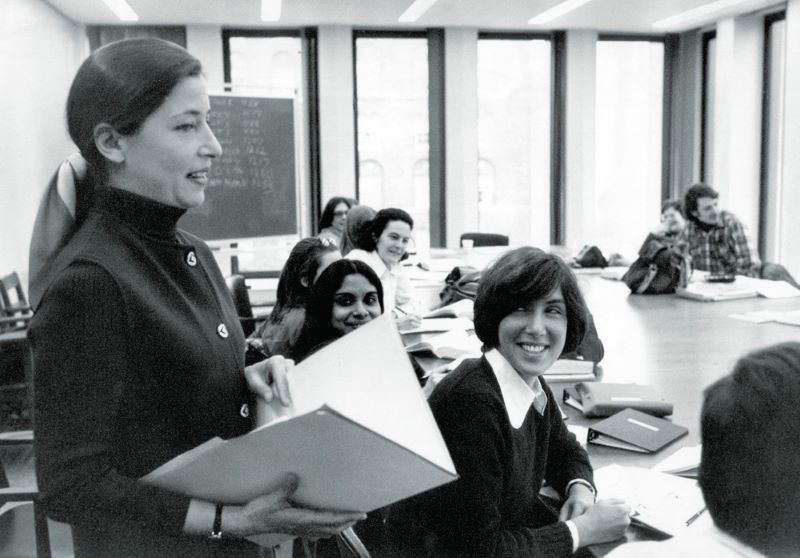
point(122, 10)
point(557, 11)
point(415, 10)
point(695, 13)
point(270, 10)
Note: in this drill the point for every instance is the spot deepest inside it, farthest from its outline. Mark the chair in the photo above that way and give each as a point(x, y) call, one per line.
point(16, 361)
point(484, 239)
point(241, 300)
point(777, 272)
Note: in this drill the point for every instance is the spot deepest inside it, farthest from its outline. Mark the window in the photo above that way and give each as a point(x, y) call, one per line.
point(772, 144)
point(392, 131)
point(707, 124)
point(628, 141)
point(514, 138)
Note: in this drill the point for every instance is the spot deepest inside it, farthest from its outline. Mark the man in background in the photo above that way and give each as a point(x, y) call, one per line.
point(717, 240)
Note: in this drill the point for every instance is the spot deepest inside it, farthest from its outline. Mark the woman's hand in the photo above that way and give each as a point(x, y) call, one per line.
point(604, 521)
point(579, 500)
point(275, 512)
point(267, 378)
point(408, 321)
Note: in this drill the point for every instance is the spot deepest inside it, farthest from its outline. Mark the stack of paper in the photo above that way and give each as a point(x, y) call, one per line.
point(359, 435)
point(685, 462)
point(657, 500)
point(453, 344)
point(791, 317)
point(460, 309)
point(429, 325)
point(713, 292)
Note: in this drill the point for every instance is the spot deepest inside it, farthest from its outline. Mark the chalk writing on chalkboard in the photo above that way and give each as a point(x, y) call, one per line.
point(252, 189)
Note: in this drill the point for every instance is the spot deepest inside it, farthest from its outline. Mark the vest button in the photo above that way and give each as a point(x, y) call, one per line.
point(191, 258)
point(222, 331)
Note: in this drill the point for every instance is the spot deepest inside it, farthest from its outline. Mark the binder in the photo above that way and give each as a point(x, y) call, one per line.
point(359, 435)
point(634, 430)
point(605, 399)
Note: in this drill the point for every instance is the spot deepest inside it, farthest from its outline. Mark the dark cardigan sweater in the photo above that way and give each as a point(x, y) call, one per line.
point(494, 508)
point(139, 356)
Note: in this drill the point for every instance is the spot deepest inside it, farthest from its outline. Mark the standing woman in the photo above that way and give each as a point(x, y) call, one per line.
point(384, 246)
point(334, 217)
point(137, 348)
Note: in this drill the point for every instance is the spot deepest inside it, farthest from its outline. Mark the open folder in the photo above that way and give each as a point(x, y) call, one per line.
point(359, 435)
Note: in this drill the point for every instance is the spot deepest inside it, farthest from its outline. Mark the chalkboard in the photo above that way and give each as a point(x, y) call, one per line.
point(251, 189)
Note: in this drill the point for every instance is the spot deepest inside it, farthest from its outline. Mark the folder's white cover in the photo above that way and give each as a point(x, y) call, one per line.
point(359, 434)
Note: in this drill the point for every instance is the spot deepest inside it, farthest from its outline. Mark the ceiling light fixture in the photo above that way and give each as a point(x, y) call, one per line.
point(270, 10)
point(415, 10)
point(122, 10)
point(694, 14)
point(557, 11)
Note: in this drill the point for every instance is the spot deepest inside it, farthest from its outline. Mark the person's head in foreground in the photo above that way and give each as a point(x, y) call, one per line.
point(750, 466)
point(346, 296)
point(529, 307)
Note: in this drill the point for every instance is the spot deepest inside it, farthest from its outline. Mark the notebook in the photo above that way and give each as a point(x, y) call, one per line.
point(634, 430)
point(604, 399)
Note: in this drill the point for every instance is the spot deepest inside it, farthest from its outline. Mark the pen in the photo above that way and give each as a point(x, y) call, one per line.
point(695, 516)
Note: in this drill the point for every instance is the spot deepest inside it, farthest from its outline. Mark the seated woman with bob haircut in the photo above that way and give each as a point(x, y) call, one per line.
point(504, 429)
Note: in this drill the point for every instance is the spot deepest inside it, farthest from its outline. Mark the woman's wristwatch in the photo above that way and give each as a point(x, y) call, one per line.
point(216, 530)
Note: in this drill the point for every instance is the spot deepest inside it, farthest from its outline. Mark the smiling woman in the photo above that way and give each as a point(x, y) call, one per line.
point(384, 246)
point(346, 295)
point(504, 430)
point(138, 350)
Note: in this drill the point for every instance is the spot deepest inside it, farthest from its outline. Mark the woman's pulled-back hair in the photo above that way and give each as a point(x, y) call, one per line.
point(378, 224)
point(517, 279)
point(300, 267)
point(121, 84)
point(356, 231)
point(317, 329)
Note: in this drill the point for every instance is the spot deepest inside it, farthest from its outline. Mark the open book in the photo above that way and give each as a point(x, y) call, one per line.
point(431, 325)
point(657, 500)
point(459, 309)
point(359, 435)
point(452, 344)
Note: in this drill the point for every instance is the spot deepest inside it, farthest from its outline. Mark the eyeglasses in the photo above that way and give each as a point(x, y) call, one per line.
point(340, 213)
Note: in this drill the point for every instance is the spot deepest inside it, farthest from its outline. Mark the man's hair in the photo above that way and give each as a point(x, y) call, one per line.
point(697, 191)
point(517, 279)
point(750, 466)
point(677, 205)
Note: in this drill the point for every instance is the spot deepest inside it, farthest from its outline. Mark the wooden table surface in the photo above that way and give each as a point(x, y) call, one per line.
point(679, 346)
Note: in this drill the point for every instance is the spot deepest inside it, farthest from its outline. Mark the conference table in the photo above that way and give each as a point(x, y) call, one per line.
point(677, 345)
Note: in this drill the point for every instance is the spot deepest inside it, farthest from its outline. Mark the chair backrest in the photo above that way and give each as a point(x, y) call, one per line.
point(14, 309)
point(241, 300)
point(484, 239)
